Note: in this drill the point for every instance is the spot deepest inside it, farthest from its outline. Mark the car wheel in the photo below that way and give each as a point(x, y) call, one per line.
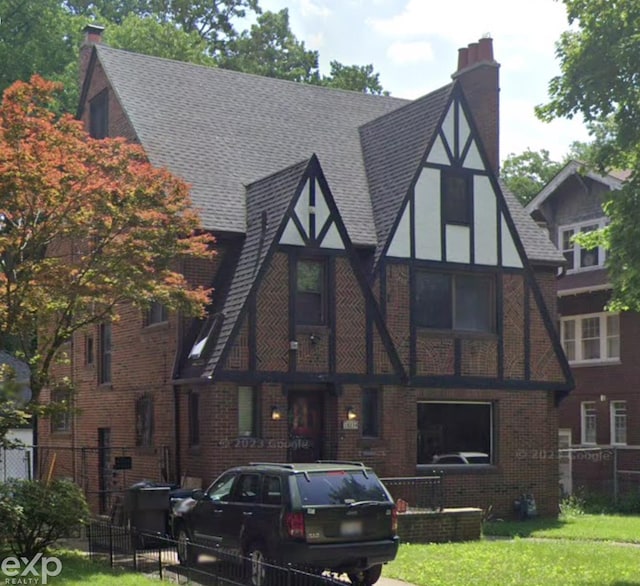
point(366, 577)
point(256, 560)
point(187, 555)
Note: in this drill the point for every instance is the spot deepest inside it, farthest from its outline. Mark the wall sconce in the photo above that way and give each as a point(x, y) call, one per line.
point(351, 414)
point(275, 413)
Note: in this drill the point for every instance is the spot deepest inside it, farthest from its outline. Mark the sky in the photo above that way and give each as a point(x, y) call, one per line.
point(413, 44)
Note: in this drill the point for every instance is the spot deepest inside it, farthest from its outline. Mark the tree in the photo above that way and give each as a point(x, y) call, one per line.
point(599, 64)
point(269, 48)
point(358, 78)
point(86, 225)
point(527, 173)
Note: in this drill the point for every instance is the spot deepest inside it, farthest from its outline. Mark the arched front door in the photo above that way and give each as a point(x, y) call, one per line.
point(305, 426)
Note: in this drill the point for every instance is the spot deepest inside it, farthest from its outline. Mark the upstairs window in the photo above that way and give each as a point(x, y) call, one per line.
point(456, 194)
point(311, 292)
point(579, 258)
point(591, 338)
point(446, 301)
point(104, 374)
point(156, 314)
point(99, 115)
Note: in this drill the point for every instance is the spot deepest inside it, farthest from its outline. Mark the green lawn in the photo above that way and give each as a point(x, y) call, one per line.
point(517, 562)
point(587, 527)
point(78, 570)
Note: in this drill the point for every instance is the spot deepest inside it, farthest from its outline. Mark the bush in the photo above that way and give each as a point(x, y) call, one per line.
point(34, 514)
point(572, 505)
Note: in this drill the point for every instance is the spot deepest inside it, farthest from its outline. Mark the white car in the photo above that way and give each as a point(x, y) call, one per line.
point(462, 458)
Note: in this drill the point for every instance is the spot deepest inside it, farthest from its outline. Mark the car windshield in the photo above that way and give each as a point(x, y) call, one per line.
point(339, 487)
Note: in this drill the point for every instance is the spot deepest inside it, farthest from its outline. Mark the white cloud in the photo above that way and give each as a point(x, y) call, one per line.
point(402, 53)
point(315, 41)
point(309, 8)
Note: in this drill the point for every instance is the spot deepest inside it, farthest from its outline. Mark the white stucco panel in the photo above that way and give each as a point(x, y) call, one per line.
point(401, 244)
point(448, 128)
point(322, 209)
point(302, 208)
point(510, 256)
point(463, 128)
point(332, 239)
point(458, 245)
point(291, 235)
point(427, 215)
point(473, 160)
point(438, 154)
point(485, 222)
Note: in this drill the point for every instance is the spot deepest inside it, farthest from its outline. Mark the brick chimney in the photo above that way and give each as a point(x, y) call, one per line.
point(478, 73)
point(92, 36)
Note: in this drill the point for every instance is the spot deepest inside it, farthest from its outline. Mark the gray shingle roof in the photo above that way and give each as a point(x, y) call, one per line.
point(220, 130)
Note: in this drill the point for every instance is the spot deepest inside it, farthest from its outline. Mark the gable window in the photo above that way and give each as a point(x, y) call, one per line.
point(144, 421)
point(579, 258)
point(104, 375)
point(618, 414)
point(247, 412)
point(454, 302)
point(99, 115)
point(591, 338)
point(194, 418)
point(61, 417)
point(455, 432)
point(456, 194)
point(311, 292)
point(370, 413)
point(156, 314)
point(588, 422)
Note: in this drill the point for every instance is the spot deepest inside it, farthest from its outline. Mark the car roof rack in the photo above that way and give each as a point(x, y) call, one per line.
point(341, 462)
point(274, 464)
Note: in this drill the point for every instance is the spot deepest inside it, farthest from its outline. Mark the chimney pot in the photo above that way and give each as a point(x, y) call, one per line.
point(485, 49)
point(473, 53)
point(463, 58)
point(92, 34)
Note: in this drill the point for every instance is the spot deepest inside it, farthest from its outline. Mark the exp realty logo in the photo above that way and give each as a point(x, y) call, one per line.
point(23, 571)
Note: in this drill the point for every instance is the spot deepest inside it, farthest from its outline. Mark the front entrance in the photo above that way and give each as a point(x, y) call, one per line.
point(305, 426)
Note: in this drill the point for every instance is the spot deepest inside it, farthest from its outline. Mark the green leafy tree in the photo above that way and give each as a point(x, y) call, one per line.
point(85, 226)
point(271, 49)
point(527, 173)
point(599, 64)
point(359, 78)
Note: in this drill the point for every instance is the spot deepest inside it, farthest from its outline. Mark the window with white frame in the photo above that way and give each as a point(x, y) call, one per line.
point(579, 258)
point(592, 337)
point(588, 420)
point(618, 413)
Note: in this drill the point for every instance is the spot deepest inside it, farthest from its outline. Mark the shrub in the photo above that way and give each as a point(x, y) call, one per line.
point(35, 514)
point(572, 505)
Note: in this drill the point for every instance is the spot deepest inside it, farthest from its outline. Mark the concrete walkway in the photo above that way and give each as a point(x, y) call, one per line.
point(391, 582)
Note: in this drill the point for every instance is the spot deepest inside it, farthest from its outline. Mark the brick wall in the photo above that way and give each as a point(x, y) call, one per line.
point(449, 525)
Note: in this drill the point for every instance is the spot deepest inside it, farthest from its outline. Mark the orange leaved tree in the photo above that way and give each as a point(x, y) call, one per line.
point(85, 225)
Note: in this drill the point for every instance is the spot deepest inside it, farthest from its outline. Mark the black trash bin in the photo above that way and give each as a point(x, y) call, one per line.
point(147, 509)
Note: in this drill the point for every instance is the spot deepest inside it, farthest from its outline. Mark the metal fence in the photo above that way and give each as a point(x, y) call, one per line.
point(16, 463)
point(610, 471)
point(122, 547)
point(422, 492)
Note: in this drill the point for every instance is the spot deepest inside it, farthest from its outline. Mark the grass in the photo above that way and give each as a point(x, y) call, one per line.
point(79, 570)
point(517, 562)
point(578, 527)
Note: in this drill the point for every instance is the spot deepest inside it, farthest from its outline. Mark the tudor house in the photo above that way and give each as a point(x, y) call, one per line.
point(604, 409)
point(379, 296)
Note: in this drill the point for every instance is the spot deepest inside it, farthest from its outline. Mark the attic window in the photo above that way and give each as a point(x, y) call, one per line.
point(456, 195)
point(205, 334)
point(99, 115)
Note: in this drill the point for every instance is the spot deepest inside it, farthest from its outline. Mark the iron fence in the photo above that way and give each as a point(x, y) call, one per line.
point(156, 555)
point(422, 492)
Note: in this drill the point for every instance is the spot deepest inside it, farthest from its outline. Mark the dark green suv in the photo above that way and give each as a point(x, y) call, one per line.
point(334, 516)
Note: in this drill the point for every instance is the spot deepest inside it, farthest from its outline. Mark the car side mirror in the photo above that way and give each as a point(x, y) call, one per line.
point(197, 494)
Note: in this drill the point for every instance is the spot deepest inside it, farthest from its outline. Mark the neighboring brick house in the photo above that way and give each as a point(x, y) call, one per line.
point(604, 409)
point(378, 295)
